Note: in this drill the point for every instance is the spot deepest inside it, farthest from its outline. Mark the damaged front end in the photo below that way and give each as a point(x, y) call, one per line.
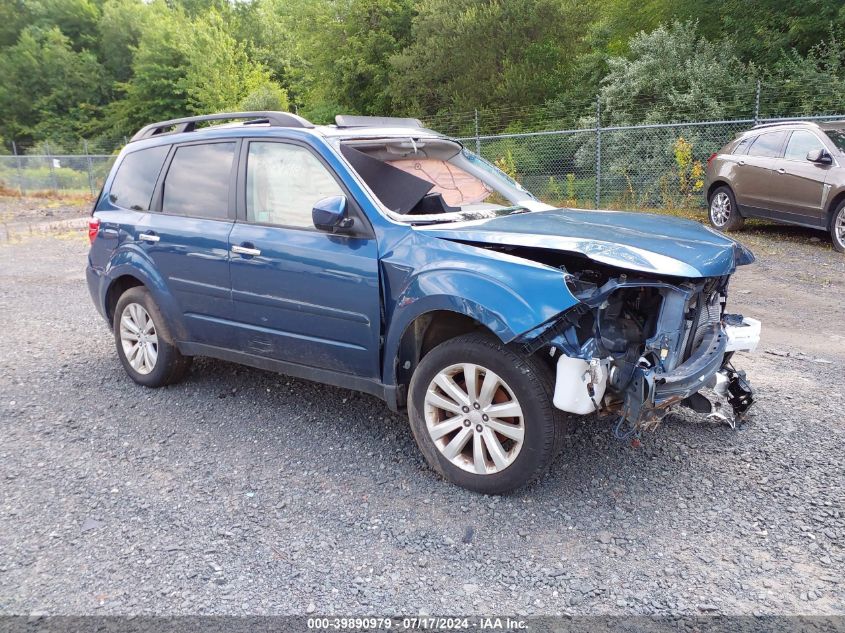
point(639, 345)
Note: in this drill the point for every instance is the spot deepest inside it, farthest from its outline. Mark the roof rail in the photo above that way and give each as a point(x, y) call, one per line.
point(189, 124)
point(779, 123)
point(352, 120)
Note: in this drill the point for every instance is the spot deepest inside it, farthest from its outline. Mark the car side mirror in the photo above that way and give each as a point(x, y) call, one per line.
point(330, 214)
point(821, 156)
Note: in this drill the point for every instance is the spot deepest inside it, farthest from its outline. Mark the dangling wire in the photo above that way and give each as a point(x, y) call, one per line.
point(627, 435)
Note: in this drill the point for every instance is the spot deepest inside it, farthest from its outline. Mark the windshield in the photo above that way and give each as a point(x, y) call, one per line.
point(838, 138)
point(432, 180)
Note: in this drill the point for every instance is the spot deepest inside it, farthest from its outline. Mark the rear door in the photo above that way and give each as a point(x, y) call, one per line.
point(301, 295)
point(187, 235)
point(753, 180)
point(798, 184)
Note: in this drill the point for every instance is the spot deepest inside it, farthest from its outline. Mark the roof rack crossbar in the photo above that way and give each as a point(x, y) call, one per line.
point(189, 124)
point(354, 120)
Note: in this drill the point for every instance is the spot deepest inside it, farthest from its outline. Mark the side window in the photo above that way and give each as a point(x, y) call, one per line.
point(197, 182)
point(768, 145)
point(283, 182)
point(742, 146)
point(800, 143)
point(132, 187)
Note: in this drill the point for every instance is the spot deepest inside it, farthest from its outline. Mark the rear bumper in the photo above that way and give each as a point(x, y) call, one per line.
point(96, 288)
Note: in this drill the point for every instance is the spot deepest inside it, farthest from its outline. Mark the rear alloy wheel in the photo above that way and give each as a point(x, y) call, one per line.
point(724, 214)
point(143, 341)
point(837, 228)
point(138, 338)
point(482, 414)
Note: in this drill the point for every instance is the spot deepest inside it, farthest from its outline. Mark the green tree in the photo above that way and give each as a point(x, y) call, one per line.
point(762, 30)
point(120, 28)
point(268, 96)
point(808, 84)
point(219, 74)
point(48, 89)
point(14, 16)
point(331, 55)
point(468, 54)
point(157, 88)
point(673, 74)
point(76, 19)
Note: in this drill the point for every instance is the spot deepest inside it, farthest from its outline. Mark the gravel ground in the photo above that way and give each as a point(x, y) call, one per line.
point(241, 491)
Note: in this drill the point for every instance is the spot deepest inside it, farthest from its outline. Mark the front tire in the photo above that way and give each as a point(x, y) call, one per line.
point(144, 344)
point(723, 210)
point(482, 414)
point(837, 228)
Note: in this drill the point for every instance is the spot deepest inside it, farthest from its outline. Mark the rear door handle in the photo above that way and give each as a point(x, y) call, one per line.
point(246, 250)
point(149, 237)
point(781, 170)
point(742, 162)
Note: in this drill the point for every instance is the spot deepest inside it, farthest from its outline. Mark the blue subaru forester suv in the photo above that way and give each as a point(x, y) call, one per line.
point(380, 256)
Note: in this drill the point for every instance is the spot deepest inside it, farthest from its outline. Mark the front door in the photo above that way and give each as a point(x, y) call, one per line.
point(187, 236)
point(798, 184)
point(301, 295)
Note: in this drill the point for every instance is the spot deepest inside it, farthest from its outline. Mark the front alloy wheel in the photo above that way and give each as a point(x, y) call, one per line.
point(482, 414)
point(474, 419)
point(837, 228)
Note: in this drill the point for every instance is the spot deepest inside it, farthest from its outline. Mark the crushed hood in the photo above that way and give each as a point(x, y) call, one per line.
point(637, 241)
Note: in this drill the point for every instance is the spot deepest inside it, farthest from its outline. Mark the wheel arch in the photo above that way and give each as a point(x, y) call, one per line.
point(838, 199)
point(425, 332)
point(115, 290)
point(715, 185)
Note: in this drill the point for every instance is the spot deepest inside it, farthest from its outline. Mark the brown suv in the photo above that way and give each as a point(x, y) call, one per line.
point(788, 172)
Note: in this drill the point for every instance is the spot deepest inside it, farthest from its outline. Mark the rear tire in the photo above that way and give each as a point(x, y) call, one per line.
point(144, 344)
point(482, 414)
point(723, 210)
point(837, 228)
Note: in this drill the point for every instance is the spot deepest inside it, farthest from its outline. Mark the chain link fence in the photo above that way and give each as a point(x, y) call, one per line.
point(638, 166)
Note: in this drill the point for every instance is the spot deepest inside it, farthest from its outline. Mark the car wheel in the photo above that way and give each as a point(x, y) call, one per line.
point(482, 414)
point(837, 228)
point(144, 344)
point(724, 214)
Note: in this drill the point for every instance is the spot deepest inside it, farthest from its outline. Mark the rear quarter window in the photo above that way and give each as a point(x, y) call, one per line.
point(742, 146)
point(136, 178)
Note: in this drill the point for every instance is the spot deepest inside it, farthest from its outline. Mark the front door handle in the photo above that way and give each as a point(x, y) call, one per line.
point(245, 250)
point(149, 237)
point(742, 162)
point(781, 170)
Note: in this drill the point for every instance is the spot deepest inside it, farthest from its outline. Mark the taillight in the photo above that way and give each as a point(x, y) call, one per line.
point(93, 229)
point(710, 160)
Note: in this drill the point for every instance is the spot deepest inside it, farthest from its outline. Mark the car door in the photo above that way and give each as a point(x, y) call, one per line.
point(753, 179)
point(798, 185)
point(301, 295)
point(187, 235)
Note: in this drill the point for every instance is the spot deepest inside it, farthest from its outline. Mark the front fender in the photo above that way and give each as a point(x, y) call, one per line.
point(506, 294)
point(134, 262)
